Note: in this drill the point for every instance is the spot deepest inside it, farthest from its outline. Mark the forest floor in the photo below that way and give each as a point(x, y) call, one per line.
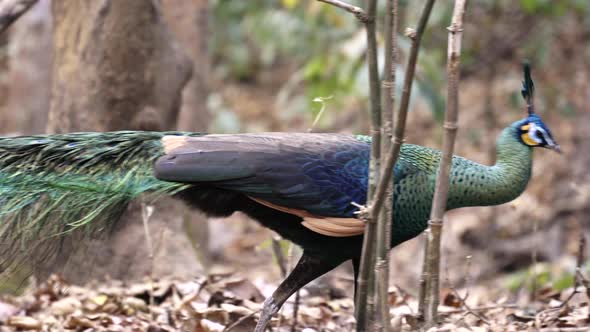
point(229, 302)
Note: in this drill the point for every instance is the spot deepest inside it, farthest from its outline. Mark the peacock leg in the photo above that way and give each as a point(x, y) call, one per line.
point(356, 267)
point(307, 269)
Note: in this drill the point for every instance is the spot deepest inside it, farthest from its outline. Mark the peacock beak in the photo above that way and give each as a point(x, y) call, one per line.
point(555, 147)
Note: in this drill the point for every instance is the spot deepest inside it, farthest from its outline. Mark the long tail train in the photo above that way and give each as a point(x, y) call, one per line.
point(51, 185)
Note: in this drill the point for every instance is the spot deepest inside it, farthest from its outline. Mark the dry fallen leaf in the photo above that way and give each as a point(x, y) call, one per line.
point(450, 299)
point(239, 287)
point(24, 323)
point(7, 310)
point(76, 322)
point(64, 306)
point(210, 326)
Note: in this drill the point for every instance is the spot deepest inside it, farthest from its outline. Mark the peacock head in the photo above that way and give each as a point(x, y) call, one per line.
point(532, 131)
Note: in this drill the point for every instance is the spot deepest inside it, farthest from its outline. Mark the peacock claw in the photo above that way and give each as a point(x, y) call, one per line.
point(363, 211)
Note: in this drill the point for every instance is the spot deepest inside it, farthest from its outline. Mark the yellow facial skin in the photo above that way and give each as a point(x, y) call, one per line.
point(525, 136)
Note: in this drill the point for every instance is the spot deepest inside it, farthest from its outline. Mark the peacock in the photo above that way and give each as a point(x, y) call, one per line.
point(300, 185)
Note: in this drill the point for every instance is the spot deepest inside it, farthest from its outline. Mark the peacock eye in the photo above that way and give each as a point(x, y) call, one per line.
point(538, 134)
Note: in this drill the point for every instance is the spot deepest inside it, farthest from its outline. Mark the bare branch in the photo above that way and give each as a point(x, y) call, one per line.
point(431, 269)
point(11, 10)
point(384, 223)
point(357, 11)
point(240, 321)
point(365, 299)
point(484, 308)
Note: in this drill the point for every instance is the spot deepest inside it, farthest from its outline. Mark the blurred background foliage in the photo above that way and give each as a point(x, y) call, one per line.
point(322, 48)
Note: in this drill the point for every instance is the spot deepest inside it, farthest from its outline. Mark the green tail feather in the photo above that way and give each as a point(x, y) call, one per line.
point(51, 185)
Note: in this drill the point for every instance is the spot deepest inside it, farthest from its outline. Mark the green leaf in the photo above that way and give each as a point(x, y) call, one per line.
point(564, 282)
point(529, 6)
point(290, 4)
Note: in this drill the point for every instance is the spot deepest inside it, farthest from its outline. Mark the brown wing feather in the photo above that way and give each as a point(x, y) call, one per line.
point(329, 226)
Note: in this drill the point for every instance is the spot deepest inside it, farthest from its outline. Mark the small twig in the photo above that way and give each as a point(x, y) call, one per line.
point(295, 311)
point(190, 298)
point(463, 299)
point(322, 101)
point(357, 11)
point(278, 252)
point(578, 271)
point(467, 278)
point(291, 261)
point(581, 250)
point(146, 213)
point(534, 255)
point(468, 308)
point(240, 321)
point(11, 10)
point(281, 261)
point(564, 329)
point(584, 282)
point(285, 264)
point(483, 308)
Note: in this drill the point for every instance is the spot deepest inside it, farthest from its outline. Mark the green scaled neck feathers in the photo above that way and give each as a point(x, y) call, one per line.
point(473, 184)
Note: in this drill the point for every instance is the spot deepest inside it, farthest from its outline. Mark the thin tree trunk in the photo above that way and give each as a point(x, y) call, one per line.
point(439, 203)
point(365, 299)
point(384, 224)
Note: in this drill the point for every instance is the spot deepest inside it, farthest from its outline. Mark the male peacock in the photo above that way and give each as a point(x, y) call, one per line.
point(299, 185)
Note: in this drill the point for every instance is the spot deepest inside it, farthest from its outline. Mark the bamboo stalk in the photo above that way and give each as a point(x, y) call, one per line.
point(401, 116)
point(431, 270)
point(384, 223)
point(400, 122)
point(365, 299)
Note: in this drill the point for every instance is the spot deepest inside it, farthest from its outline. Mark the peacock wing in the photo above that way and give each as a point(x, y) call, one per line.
point(318, 173)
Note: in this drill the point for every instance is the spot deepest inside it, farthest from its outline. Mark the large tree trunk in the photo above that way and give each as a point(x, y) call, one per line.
point(117, 67)
point(190, 22)
point(29, 62)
